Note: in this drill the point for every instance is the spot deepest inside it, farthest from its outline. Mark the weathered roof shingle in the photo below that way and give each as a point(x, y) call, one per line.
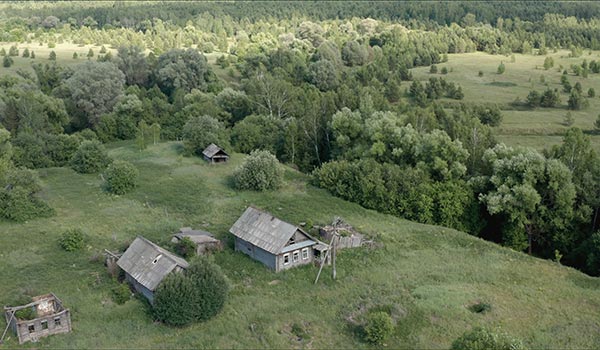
point(212, 150)
point(263, 230)
point(148, 263)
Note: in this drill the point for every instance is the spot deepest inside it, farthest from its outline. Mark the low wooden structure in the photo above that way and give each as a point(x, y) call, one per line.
point(205, 241)
point(274, 242)
point(215, 154)
point(51, 317)
point(146, 265)
point(348, 237)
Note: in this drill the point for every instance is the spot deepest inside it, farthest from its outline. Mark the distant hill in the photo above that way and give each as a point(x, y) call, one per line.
point(426, 277)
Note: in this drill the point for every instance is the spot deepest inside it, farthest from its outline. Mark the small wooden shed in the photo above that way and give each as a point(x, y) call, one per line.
point(50, 317)
point(215, 154)
point(146, 265)
point(274, 242)
point(205, 241)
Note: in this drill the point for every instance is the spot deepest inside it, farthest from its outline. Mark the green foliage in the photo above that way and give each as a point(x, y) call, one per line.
point(13, 51)
point(75, 55)
point(379, 327)
point(25, 53)
point(501, 68)
point(444, 70)
point(132, 61)
point(480, 74)
point(484, 339)
point(197, 294)
point(569, 119)
point(90, 157)
point(260, 171)
point(93, 90)
point(597, 123)
point(72, 240)
point(354, 54)
point(591, 93)
point(52, 56)
point(121, 177)
point(548, 63)
point(480, 308)
point(257, 132)
point(121, 293)
point(7, 61)
point(433, 69)
point(199, 132)
point(524, 185)
point(184, 69)
point(577, 101)
point(324, 75)
point(186, 248)
point(2, 52)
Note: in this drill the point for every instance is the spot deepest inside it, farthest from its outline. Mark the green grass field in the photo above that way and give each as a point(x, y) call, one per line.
point(427, 276)
point(537, 128)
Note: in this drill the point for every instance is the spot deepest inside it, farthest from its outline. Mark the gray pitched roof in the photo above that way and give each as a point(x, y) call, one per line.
point(263, 230)
point(148, 263)
point(212, 150)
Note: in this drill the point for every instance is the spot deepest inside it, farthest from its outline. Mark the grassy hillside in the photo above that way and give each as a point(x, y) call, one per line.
point(427, 276)
point(537, 128)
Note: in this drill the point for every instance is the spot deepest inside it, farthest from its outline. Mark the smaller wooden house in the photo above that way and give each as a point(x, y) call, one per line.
point(49, 317)
point(215, 154)
point(146, 265)
point(205, 241)
point(274, 242)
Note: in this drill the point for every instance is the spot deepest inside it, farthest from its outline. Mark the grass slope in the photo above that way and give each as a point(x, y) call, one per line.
point(426, 275)
point(537, 128)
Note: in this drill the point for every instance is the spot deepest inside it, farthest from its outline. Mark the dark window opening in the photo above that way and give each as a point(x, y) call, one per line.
point(31, 328)
point(44, 325)
point(57, 321)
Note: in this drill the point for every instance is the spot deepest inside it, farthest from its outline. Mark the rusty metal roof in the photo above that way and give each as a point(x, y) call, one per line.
point(213, 150)
point(148, 263)
point(263, 230)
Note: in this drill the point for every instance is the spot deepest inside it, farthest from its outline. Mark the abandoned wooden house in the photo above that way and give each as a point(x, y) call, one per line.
point(146, 265)
point(205, 241)
point(274, 242)
point(215, 154)
point(44, 316)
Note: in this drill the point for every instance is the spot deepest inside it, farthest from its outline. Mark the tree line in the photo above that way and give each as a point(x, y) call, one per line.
point(332, 98)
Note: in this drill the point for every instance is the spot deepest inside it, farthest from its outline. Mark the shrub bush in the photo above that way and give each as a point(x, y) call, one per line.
point(71, 240)
point(185, 248)
point(121, 177)
point(90, 157)
point(260, 172)
point(379, 326)
point(484, 339)
point(480, 308)
point(197, 294)
point(121, 293)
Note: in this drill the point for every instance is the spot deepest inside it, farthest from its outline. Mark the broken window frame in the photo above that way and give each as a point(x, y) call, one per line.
point(286, 259)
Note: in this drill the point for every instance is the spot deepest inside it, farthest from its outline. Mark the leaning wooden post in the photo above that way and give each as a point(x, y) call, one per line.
point(333, 273)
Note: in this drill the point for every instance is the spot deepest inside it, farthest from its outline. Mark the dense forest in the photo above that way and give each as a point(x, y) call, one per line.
point(327, 87)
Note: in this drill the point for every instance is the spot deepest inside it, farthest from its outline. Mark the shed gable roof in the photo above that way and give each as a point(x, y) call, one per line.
point(264, 230)
point(148, 263)
point(212, 150)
